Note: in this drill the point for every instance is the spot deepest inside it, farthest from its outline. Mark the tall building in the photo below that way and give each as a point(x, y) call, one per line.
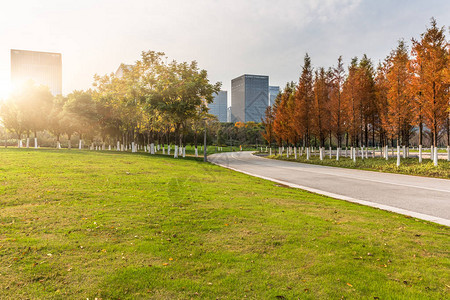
point(219, 106)
point(249, 98)
point(123, 68)
point(44, 68)
point(273, 93)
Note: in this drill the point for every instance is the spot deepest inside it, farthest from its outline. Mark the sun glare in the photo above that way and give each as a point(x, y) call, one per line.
point(5, 89)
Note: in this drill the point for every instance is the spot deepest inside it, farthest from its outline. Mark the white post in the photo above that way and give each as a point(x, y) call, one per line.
point(295, 153)
point(330, 153)
point(362, 152)
point(109, 148)
point(307, 153)
point(175, 152)
point(79, 144)
point(351, 152)
point(196, 151)
point(337, 153)
point(435, 156)
point(270, 151)
point(398, 156)
point(404, 151)
point(321, 153)
point(287, 152)
point(420, 153)
point(354, 154)
point(184, 151)
point(448, 153)
point(152, 148)
point(387, 152)
point(35, 143)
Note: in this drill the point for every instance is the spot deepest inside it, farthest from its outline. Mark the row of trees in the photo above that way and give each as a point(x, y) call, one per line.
point(151, 102)
point(366, 106)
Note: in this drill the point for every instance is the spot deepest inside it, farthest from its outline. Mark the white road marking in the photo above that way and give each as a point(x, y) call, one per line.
point(417, 215)
point(354, 177)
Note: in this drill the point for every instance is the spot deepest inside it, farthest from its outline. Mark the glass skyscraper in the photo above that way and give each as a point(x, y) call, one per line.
point(249, 98)
point(44, 68)
point(273, 93)
point(219, 106)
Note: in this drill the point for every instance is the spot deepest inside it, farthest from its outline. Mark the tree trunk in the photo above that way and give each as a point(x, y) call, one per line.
point(69, 144)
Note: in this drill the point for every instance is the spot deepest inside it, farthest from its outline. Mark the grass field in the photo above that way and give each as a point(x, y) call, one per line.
point(111, 225)
point(408, 166)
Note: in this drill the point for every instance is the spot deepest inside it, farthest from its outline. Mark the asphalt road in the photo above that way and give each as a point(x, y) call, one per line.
point(419, 197)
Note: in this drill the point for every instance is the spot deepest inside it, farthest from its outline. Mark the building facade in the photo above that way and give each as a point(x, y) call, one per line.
point(122, 69)
point(219, 106)
point(273, 93)
point(249, 98)
point(44, 68)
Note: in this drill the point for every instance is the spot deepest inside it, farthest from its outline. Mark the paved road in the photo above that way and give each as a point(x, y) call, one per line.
point(420, 197)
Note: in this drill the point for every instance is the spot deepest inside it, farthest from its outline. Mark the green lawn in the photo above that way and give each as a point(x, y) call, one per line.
point(408, 166)
point(81, 224)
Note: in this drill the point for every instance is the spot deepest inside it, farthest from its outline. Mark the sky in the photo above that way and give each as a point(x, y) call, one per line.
point(228, 38)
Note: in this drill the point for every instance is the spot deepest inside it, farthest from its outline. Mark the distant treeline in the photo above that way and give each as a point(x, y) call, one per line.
point(408, 92)
point(151, 102)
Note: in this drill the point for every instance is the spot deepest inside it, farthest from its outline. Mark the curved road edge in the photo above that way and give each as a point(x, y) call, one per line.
point(401, 211)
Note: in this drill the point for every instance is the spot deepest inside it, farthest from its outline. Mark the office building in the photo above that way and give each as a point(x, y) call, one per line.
point(229, 114)
point(122, 69)
point(273, 93)
point(219, 106)
point(249, 98)
point(44, 68)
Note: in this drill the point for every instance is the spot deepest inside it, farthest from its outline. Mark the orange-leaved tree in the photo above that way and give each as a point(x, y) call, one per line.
point(399, 105)
point(430, 64)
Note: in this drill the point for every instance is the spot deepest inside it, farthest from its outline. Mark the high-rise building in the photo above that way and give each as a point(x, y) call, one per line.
point(273, 93)
point(249, 98)
point(219, 106)
point(123, 68)
point(44, 68)
point(229, 114)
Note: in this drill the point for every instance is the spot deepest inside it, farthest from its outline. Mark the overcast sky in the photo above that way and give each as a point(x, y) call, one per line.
point(227, 37)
